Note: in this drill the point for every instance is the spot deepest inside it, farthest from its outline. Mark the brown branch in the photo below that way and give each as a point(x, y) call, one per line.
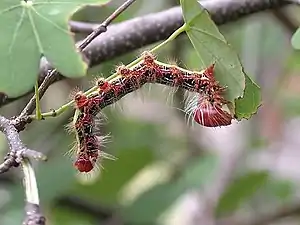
point(136, 33)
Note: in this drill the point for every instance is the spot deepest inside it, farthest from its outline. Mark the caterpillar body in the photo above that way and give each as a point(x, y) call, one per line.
point(207, 109)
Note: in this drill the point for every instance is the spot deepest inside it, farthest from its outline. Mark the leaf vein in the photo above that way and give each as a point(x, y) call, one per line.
point(10, 9)
point(49, 21)
point(15, 34)
point(36, 35)
point(209, 34)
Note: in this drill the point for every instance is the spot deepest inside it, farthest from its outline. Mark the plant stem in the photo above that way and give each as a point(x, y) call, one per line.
point(37, 102)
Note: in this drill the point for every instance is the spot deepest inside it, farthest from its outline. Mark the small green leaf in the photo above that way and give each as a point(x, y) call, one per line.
point(296, 39)
point(240, 191)
point(212, 47)
point(248, 105)
point(33, 29)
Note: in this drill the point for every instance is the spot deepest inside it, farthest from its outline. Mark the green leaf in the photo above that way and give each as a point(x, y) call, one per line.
point(33, 29)
point(151, 204)
point(212, 47)
point(296, 39)
point(240, 191)
point(248, 105)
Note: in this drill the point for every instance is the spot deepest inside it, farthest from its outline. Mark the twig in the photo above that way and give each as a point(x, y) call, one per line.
point(103, 26)
point(136, 33)
point(53, 74)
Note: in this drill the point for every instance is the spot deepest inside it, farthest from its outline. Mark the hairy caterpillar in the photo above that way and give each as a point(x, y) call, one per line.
point(206, 109)
point(89, 144)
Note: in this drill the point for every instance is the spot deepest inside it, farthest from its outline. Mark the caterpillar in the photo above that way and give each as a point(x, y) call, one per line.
point(207, 108)
point(89, 145)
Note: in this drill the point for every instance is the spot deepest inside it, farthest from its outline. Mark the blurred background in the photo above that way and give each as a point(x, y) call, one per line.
point(167, 171)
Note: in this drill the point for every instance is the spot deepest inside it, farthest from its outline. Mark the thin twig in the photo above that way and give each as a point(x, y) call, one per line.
point(103, 26)
point(53, 75)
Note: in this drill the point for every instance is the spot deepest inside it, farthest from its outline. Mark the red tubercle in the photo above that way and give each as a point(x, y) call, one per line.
point(102, 84)
point(210, 114)
point(105, 87)
point(209, 72)
point(150, 64)
point(123, 71)
point(134, 77)
point(148, 58)
point(81, 100)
